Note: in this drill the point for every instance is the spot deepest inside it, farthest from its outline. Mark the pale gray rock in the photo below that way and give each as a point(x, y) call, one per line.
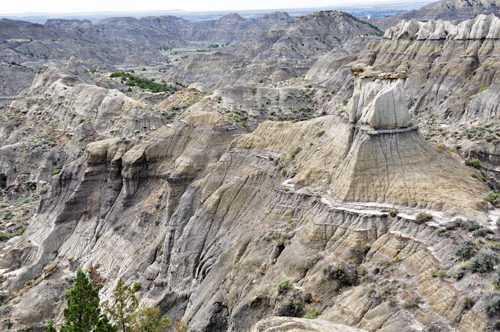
point(300, 324)
point(380, 104)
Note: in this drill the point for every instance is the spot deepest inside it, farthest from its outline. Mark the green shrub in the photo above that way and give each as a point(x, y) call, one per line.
point(57, 170)
point(465, 250)
point(295, 307)
point(491, 198)
point(423, 217)
point(137, 286)
point(312, 312)
point(413, 302)
point(284, 286)
point(254, 90)
point(458, 275)
point(473, 162)
point(7, 215)
point(467, 303)
point(460, 222)
point(483, 262)
point(144, 83)
point(492, 302)
point(472, 225)
point(320, 133)
point(481, 232)
point(438, 274)
point(387, 291)
point(344, 101)
point(295, 152)
point(495, 278)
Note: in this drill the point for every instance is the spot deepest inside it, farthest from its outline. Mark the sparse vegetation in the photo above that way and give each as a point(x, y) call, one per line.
point(467, 303)
point(284, 286)
point(320, 133)
point(473, 162)
point(423, 217)
point(492, 198)
point(438, 274)
point(58, 169)
point(483, 262)
point(236, 118)
point(413, 302)
point(294, 152)
point(481, 232)
point(492, 302)
point(144, 83)
point(465, 250)
point(370, 292)
point(312, 312)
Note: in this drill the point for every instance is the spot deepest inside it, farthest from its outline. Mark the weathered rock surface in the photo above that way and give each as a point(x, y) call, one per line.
point(299, 324)
point(64, 109)
point(210, 220)
point(14, 79)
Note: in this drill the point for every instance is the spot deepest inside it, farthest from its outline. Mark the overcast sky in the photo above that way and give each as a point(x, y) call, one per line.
point(72, 6)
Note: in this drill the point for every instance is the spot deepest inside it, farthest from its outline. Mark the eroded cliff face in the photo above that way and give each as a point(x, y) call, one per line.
point(451, 90)
point(65, 108)
point(210, 220)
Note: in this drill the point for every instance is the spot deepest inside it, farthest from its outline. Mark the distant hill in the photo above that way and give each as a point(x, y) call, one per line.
point(449, 10)
point(283, 51)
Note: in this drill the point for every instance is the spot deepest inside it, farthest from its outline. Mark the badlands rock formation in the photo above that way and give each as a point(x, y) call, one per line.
point(453, 80)
point(64, 109)
point(211, 220)
point(281, 52)
point(113, 42)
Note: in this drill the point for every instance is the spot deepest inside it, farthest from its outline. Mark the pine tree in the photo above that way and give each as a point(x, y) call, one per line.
point(50, 327)
point(82, 312)
point(105, 326)
point(122, 306)
point(148, 320)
